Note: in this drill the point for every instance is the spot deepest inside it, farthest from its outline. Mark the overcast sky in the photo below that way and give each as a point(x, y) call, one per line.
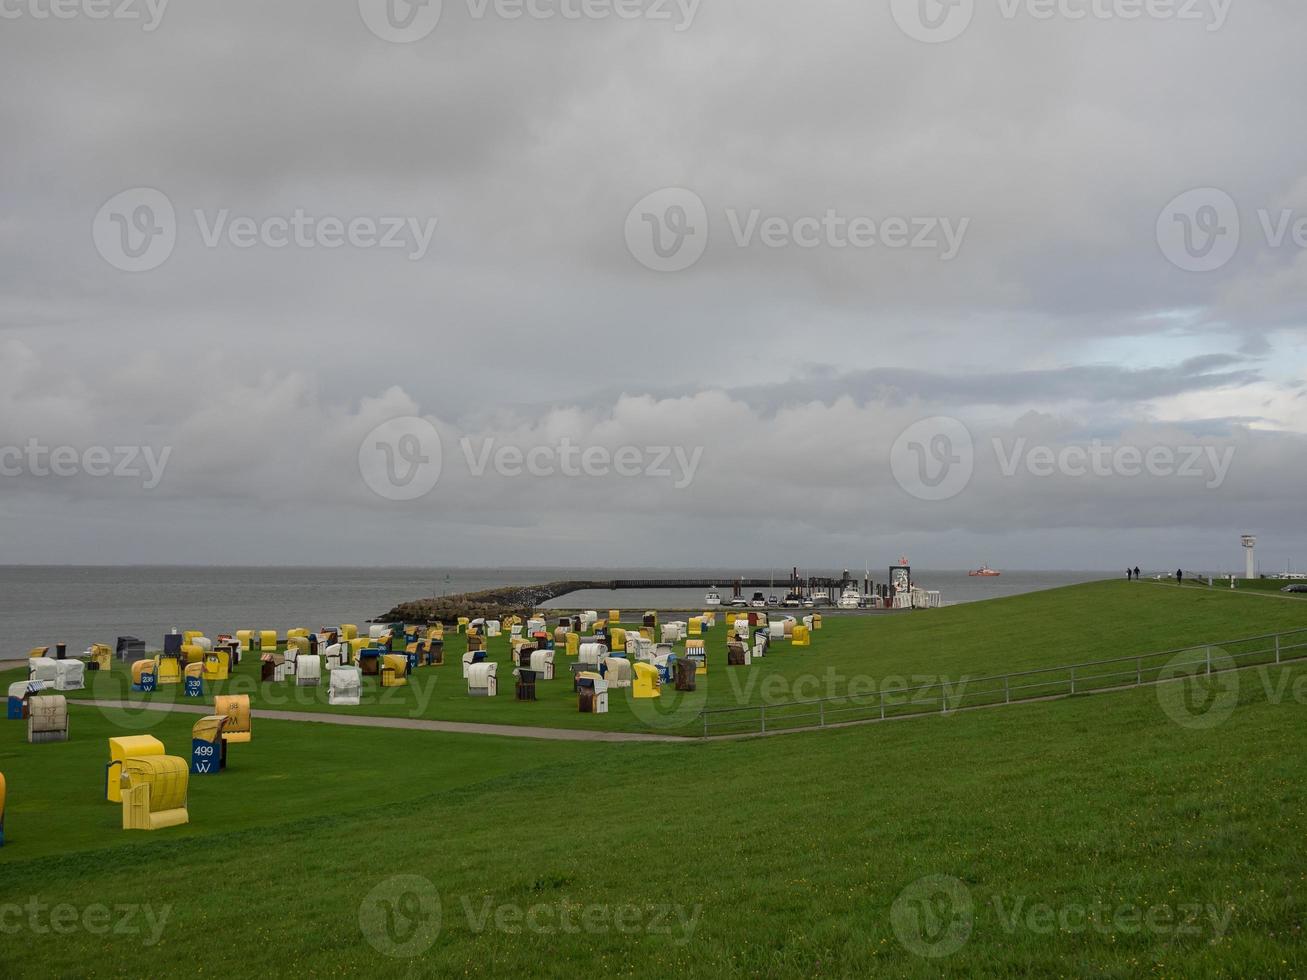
point(750, 282)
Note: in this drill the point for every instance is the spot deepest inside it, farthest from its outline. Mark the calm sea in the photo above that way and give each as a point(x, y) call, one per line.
point(79, 605)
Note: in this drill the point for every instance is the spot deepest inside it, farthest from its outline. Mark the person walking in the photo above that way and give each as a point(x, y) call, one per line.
point(1136, 573)
point(1127, 575)
point(1179, 576)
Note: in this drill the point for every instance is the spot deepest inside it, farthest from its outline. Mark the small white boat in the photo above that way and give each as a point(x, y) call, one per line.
point(820, 598)
point(758, 601)
point(712, 598)
point(850, 598)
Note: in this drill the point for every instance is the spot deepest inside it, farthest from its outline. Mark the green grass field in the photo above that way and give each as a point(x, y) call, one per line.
point(1092, 836)
point(899, 652)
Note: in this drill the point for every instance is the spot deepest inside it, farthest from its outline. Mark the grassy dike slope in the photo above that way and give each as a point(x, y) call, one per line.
point(1060, 626)
point(777, 857)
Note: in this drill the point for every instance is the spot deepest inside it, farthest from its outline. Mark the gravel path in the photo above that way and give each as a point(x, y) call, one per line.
point(410, 724)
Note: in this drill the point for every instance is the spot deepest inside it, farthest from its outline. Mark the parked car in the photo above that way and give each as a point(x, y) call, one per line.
point(1295, 588)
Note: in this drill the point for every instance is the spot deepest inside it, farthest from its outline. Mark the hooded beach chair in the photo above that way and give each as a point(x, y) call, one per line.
point(120, 750)
point(394, 670)
point(144, 675)
point(697, 652)
point(272, 667)
point(472, 658)
point(208, 750)
point(99, 657)
point(308, 670)
point(129, 648)
point(617, 671)
point(216, 665)
point(665, 664)
point(43, 669)
point(524, 687)
point(346, 686)
point(482, 680)
point(154, 792)
point(70, 675)
point(19, 693)
point(737, 654)
point(47, 719)
point(240, 721)
point(647, 682)
point(193, 681)
point(591, 694)
point(542, 662)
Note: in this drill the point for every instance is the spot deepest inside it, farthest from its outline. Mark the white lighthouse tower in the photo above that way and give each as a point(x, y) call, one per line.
point(1250, 563)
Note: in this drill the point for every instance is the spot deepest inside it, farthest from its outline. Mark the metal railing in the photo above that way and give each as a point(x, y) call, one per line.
point(1043, 683)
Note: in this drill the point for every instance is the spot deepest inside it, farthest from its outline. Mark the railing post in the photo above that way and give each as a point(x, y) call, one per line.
point(1277, 648)
point(943, 700)
point(762, 718)
point(1139, 671)
point(1007, 691)
point(1209, 661)
point(704, 716)
point(1073, 680)
point(821, 714)
point(881, 692)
